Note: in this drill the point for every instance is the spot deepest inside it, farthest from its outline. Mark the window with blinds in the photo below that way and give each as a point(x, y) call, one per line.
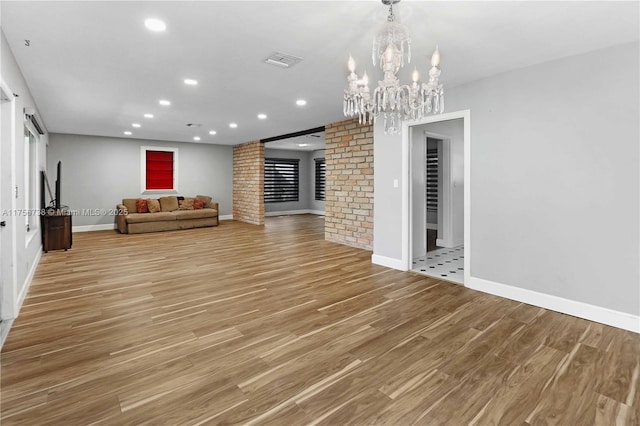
point(432, 180)
point(281, 180)
point(320, 178)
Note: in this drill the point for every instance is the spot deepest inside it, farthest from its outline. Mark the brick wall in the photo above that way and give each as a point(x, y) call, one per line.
point(349, 197)
point(248, 182)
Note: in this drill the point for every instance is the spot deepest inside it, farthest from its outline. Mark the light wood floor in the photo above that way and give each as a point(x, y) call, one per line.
point(273, 325)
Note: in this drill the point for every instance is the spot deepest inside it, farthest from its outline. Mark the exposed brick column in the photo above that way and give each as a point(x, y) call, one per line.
point(349, 184)
point(248, 183)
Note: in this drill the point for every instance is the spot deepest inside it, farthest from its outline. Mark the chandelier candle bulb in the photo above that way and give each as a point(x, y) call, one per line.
point(435, 58)
point(415, 76)
point(351, 64)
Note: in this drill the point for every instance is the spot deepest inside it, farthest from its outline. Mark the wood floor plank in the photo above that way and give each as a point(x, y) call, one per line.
point(245, 324)
point(511, 403)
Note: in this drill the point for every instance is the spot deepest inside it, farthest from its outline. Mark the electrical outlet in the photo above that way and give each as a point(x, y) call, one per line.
point(16, 192)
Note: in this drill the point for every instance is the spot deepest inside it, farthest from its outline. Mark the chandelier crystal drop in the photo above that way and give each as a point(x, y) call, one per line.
point(391, 100)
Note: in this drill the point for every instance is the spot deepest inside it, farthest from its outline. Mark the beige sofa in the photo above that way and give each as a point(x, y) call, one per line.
point(174, 214)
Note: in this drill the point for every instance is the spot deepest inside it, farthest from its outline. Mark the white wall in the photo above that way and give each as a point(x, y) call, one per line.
point(20, 249)
point(555, 186)
point(98, 172)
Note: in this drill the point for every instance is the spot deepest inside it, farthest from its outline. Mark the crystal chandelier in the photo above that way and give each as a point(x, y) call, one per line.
point(392, 101)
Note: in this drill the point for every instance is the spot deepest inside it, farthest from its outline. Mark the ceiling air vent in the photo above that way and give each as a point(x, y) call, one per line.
point(283, 60)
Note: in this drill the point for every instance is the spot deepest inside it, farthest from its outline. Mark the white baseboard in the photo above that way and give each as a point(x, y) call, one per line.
point(290, 212)
point(89, 228)
point(440, 242)
point(225, 217)
point(389, 262)
point(566, 306)
point(27, 282)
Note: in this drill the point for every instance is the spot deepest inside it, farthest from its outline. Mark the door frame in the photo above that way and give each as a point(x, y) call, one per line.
point(407, 199)
point(8, 271)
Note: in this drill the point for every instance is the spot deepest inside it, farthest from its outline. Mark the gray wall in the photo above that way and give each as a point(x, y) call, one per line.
point(554, 178)
point(98, 172)
point(305, 194)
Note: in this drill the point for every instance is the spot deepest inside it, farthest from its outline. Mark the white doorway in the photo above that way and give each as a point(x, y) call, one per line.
point(446, 223)
point(7, 206)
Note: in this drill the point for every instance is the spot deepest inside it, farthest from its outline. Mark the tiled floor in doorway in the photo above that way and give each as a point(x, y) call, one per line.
point(445, 263)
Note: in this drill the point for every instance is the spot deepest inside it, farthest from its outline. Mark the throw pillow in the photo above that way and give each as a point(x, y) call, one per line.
point(153, 206)
point(168, 204)
point(130, 204)
point(186, 203)
point(141, 206)
point(205, 199)
point(198, 204)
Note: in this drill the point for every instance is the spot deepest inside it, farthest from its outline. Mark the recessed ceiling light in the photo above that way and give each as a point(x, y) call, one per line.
point(148, 116)
point(128, 133)
point(135, 125)
point(164, 102)
point(190, 82)
point(262, 116)
point(212, 132)
point(303, 144)
point(196, 138)
point(155, 24)
point(233, 125)
point(301, 102)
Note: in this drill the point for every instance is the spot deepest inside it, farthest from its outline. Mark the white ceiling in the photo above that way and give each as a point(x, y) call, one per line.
point(93, 68)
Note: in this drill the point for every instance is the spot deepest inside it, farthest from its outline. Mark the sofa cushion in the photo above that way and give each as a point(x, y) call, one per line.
point(198, 204)
point(156, 217)
point(186, 203)
point(141, 206)
point(153, 205)
point(130, 204)
point(168, 204)
point(195, 214)
point(205, 199)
